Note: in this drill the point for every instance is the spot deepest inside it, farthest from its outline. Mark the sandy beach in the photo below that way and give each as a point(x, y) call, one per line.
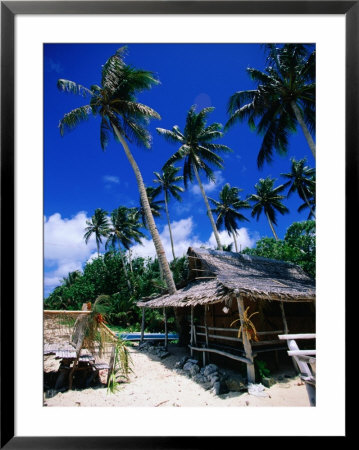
point(156, 383)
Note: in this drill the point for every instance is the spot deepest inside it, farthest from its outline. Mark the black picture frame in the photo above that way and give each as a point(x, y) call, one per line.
point(9, 9)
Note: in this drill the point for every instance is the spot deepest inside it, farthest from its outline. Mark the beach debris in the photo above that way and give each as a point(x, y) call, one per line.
point(258, 390)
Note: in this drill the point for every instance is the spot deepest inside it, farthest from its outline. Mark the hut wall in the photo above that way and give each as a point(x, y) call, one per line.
point(300, 319)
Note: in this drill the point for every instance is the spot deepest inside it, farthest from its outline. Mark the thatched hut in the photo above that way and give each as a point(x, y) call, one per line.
point(225, 287)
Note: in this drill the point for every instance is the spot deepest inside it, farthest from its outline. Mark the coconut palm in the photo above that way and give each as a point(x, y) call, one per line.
point(301, 181)
point(124, 232)
point(166, 184)
point(268, 200)
point(284, 97)
point(227, 210)
point(97, 225)
point(198, 151)
point(122, 117)
point(155, 205)
point(71, 278)
point(311, 200)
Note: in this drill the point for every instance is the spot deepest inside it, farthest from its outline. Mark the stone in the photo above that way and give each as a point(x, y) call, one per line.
point(194, 370)
point(213, 379)
point(164, 355)
point(193, 361)
point(220, 388)
point(210, 369)
point(268, 381)
point(199, 378)
point(179, 364)
point(187, 366)
point(236, 383)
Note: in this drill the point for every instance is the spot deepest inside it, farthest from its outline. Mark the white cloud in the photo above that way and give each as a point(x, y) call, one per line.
point(210, 186)
point(183, 238)
point(66, 251)
point(64, 246)
point(111, 179)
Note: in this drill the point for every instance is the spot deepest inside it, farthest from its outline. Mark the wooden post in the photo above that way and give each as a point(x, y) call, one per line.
point(206, 331)
point(191, 330)
point(166, 330)
point(143, 324)
point(246, 343)
point(284, 318)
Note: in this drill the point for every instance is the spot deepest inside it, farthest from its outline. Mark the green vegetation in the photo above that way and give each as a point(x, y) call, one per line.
point(198, 152)
point(106, 276)
point(298, 246)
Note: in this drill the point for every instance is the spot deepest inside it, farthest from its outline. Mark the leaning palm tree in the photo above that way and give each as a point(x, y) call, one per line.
point(227, 210)
point(155, 205)
point(123, 232)
point(268, 200)
point(283, 98)
point(198, 151)
point(166, 184)
point(121, 116)
point(301, 181)
point(97, 225)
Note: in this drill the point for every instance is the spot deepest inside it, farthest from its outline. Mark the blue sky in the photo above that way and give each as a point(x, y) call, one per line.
point(79, 177)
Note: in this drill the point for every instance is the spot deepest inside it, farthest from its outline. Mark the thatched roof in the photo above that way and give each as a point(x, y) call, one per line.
point(216, 275)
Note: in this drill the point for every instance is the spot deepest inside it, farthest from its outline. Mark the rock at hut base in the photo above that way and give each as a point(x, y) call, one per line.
point(236, 383)
point(268, 381)
point(210, 369)
point(220, 388)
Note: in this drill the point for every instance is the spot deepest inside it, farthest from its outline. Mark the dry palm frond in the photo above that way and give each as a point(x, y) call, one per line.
point(247, 325)
point(96, 336)
point(121, 367)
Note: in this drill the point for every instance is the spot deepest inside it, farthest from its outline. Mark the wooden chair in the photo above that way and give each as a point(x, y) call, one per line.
point(305, 360)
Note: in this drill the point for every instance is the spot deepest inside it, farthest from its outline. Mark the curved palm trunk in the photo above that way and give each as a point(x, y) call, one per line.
point(149, 218)
point(215, 231)
point(235, 239)
point(272, 228)
point(308, 204)
point(169, 226)
point(301, 122)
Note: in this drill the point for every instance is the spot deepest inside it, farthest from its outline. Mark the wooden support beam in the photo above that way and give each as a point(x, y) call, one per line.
point(166, 329)
point(247, 346)
point(297, 336)
point(206, 331)
point(143, 324)
point(284, 318)
point(191, 330)
point(220, 352)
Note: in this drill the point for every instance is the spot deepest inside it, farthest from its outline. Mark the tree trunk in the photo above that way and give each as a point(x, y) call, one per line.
point(130, 259)
point(215, 231)
point(272, 228)
point(169, 226)
point(125, 269)
point(308, 204)
point(235, 240)
point(301, 122)
point(149, 218)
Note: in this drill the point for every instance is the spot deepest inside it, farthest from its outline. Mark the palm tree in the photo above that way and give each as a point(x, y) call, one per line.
point(114, 101)
point(301, 181)
point(71, 278)
point(227, 210)
point(155, 205)
point(166, 181)
point(198, 151)
point(267, 199)
point(97, 225)
point(311, 200)
point(124, 231)
point(284, 97)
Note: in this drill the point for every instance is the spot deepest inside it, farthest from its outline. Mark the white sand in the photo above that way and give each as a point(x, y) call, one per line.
point(155, 383)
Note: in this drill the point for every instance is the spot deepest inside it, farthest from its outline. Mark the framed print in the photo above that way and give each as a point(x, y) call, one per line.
point(53, 185)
